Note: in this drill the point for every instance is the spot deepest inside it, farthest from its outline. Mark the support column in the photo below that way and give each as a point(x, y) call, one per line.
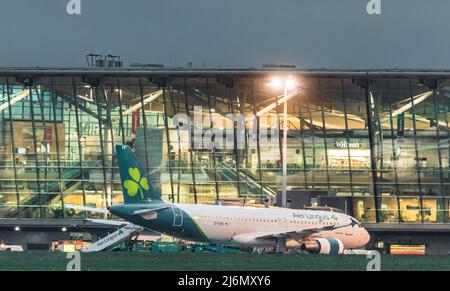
point(364, 84)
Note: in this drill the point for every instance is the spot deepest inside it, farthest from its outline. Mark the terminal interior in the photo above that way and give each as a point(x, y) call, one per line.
point(385, 148)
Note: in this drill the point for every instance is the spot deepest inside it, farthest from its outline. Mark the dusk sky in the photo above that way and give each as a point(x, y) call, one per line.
point(232, 33)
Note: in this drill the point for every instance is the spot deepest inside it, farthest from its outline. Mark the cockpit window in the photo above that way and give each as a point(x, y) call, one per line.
point(355, 222)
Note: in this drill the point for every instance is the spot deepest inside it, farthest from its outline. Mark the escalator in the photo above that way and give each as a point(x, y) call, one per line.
point(246, 178)
point(30, 203)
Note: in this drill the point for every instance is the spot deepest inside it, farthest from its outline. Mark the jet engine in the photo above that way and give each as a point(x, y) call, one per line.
point(327, 246)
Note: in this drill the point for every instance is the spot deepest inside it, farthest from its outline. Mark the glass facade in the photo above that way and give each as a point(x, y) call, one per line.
point(382, 143)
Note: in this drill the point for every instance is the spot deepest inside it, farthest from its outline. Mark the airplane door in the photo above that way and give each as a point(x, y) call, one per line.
point(177, 217)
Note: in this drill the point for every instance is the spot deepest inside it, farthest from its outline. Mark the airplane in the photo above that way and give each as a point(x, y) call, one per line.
point(322, 232)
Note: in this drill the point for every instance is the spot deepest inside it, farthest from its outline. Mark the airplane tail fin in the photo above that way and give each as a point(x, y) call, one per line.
point(135, 181)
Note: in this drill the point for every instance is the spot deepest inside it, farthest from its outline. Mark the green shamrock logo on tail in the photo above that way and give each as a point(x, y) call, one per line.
point(136, 184)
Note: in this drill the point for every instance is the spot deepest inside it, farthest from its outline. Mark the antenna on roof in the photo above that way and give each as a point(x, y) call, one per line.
point(90, 58)
point(109, 61)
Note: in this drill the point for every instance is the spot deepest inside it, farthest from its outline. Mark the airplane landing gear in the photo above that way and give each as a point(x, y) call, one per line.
point(132, 241)
point(281, 246)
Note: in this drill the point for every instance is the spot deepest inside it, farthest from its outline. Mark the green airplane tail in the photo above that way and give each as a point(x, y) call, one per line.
point(135, 182)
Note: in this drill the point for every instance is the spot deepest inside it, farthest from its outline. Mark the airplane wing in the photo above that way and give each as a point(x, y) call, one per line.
point(106, 211)
point(302, 233)
point(142, 212)
point(247, 237)
point(148, 210)
point(109, 222)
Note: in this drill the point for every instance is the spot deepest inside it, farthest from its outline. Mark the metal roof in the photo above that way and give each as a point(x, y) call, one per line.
point(235, 72)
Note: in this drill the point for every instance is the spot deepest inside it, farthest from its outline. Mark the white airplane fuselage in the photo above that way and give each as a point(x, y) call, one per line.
point(224, 223)
point(247, 226)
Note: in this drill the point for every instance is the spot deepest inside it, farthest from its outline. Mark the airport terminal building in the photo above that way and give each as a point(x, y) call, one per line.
point(375, 144)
